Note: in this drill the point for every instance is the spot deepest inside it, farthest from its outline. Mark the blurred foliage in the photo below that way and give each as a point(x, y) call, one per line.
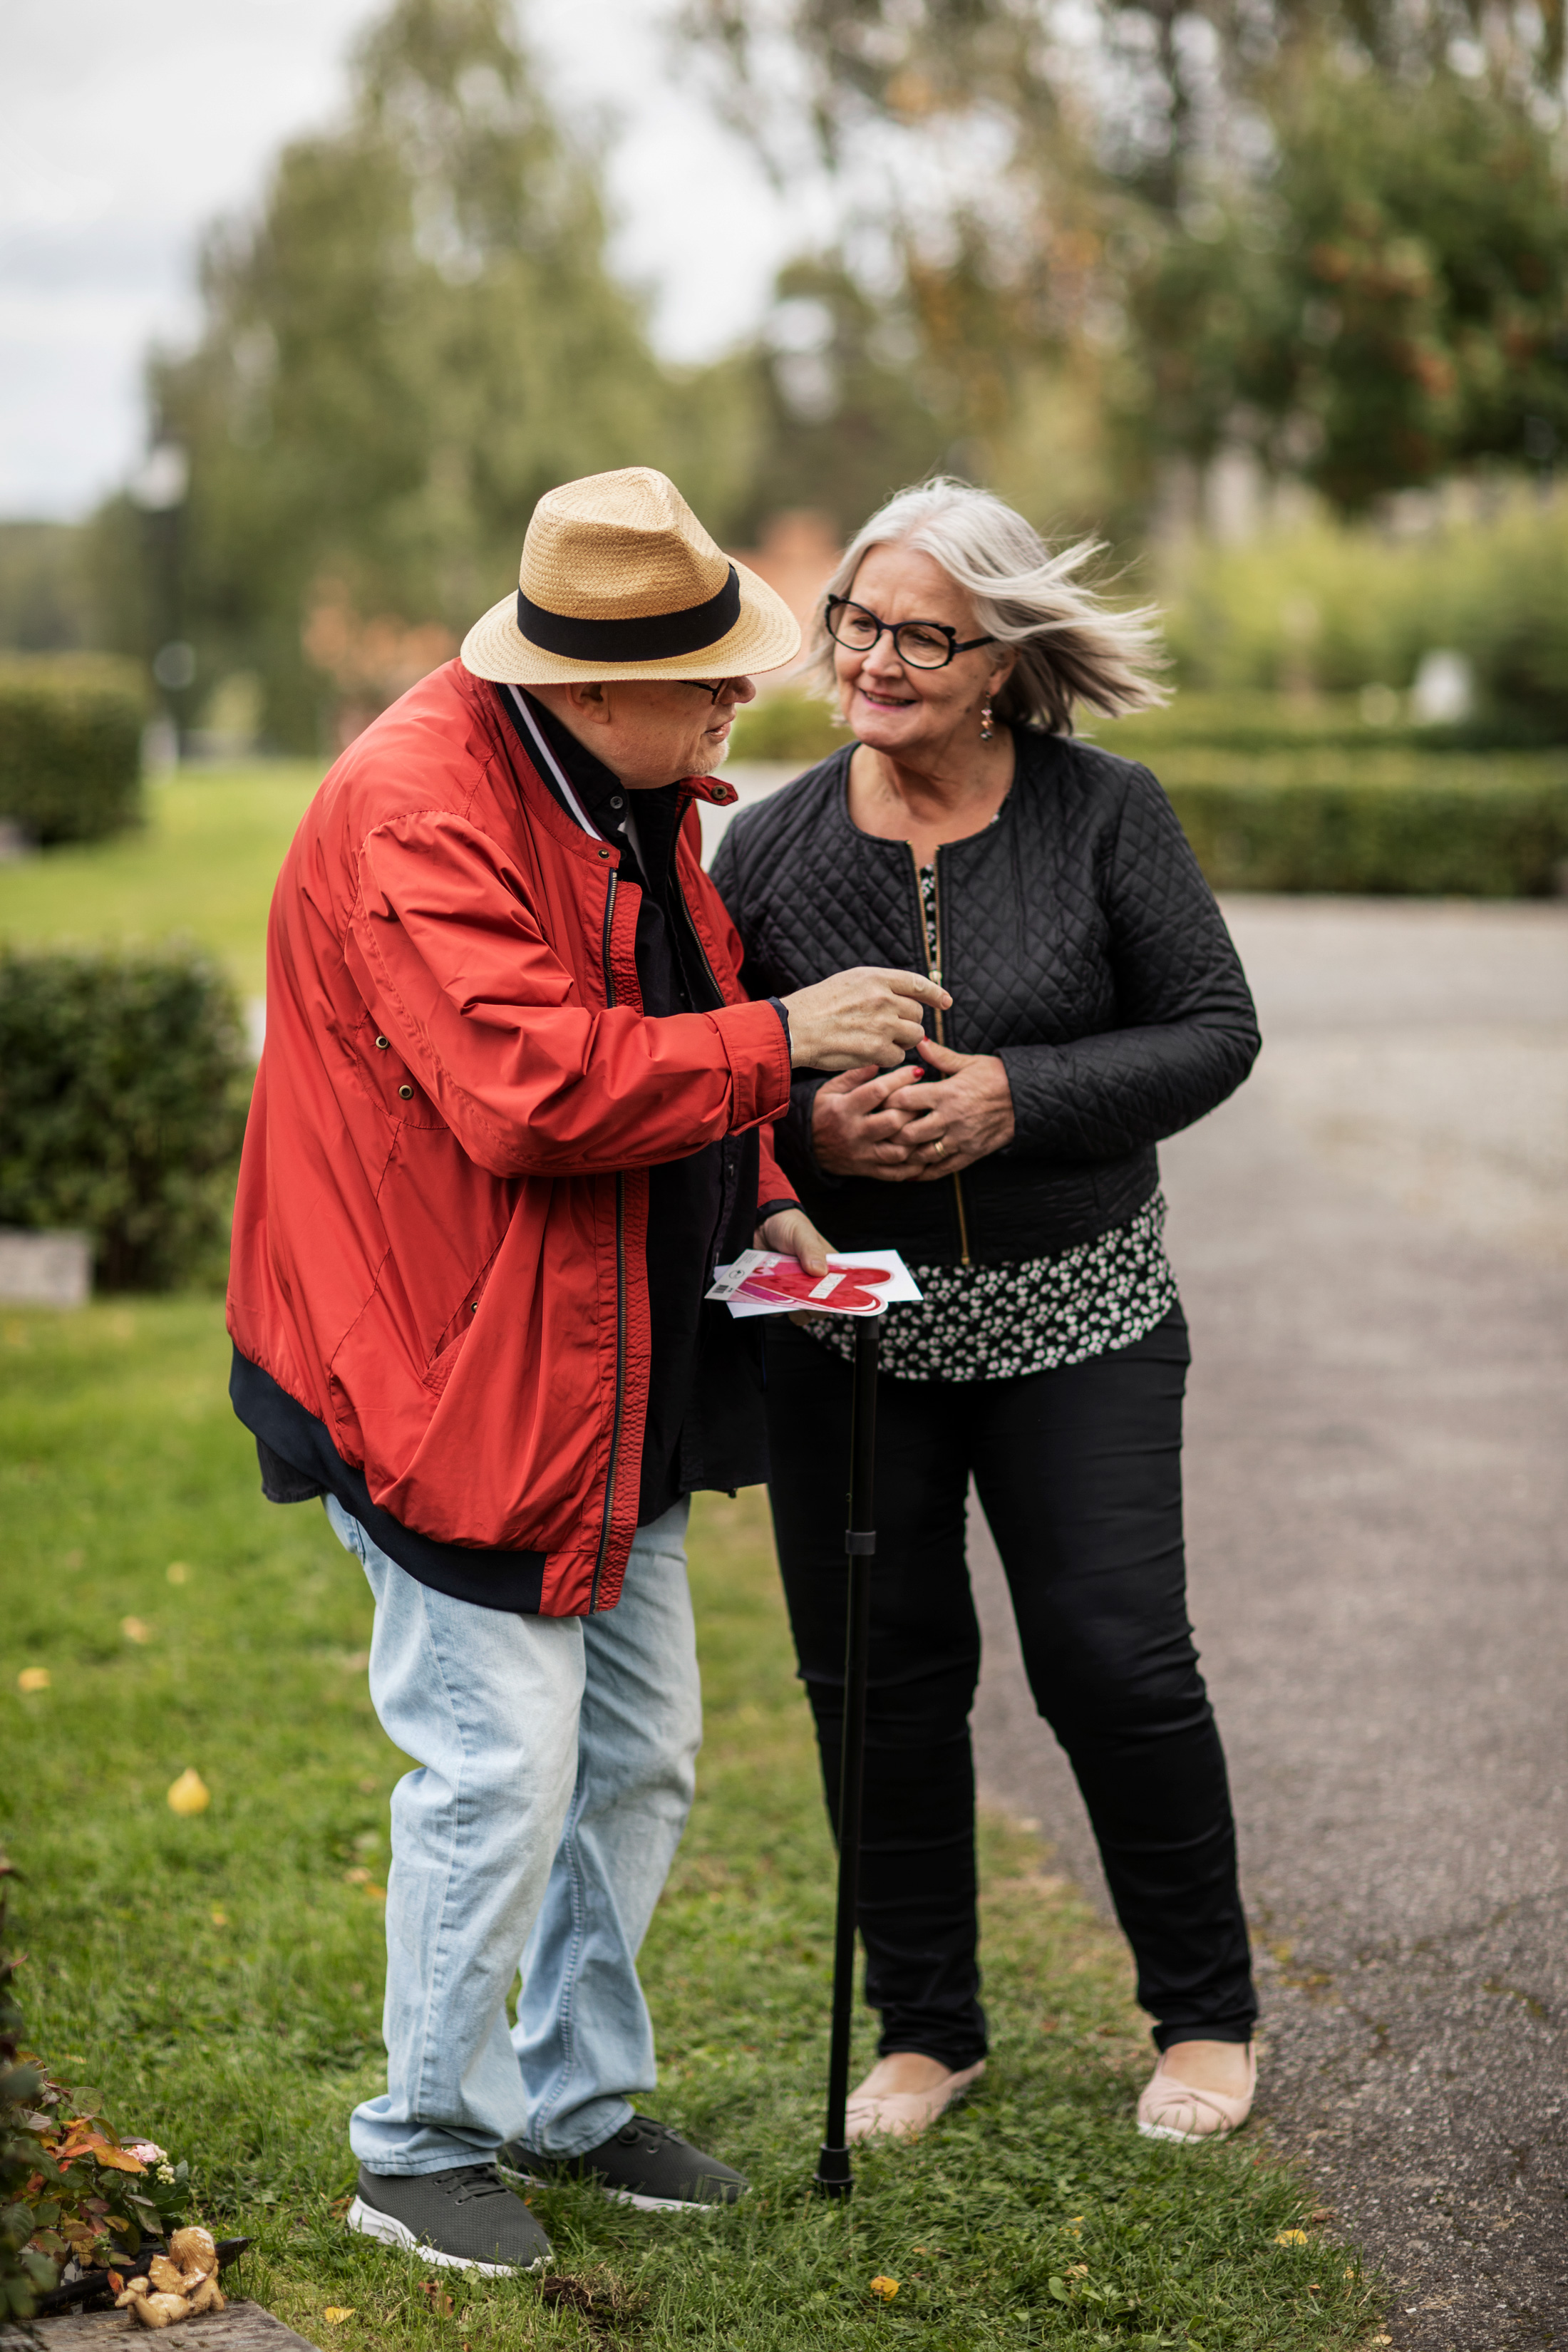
point(1394, 824)
point(787, 724)
point(1332, 608)
point(416, 336)
point(123, 1084)
point(1388, 304)
point(71, 744)
point(1333, 235)
point(46, 604)
point(25, 2272)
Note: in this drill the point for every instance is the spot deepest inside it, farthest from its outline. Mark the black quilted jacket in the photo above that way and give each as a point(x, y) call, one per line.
point(1079, 943)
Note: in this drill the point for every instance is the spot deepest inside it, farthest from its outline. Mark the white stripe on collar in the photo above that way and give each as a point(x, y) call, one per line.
point(553, 764)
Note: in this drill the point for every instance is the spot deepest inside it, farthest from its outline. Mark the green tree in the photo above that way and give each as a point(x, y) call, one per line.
point(1388, 302)
point(415, 337)
point(1337, 231)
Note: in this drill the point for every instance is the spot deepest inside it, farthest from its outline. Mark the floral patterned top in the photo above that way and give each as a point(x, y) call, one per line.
point(1001, 1322)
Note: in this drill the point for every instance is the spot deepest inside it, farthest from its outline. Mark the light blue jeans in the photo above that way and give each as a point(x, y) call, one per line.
point(556, 1759)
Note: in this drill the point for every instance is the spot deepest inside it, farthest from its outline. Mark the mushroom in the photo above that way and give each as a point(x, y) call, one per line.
point(207, 2296)
point(195, 2250)
point(161, 2310)
point(130, 2292)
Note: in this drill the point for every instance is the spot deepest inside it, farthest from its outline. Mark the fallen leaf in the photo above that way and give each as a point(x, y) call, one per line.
point(336, 2313)
point(32, 1678)
point(189, 1793)
point(1293, 2238)
point(884, 2289)
point(136, 1629)
point(102, 2151)
point(177, 1573)
point(220, 1918)
point(357, 1876)
point(1077, 2270)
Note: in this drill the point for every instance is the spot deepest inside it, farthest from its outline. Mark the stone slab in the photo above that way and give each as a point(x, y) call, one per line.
point(243, 2327)
point(44, 1269)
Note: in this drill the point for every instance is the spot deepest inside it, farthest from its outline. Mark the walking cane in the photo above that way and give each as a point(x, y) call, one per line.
point(833, 2176)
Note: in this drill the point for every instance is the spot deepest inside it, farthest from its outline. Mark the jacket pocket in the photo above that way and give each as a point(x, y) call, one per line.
point(450, 1342)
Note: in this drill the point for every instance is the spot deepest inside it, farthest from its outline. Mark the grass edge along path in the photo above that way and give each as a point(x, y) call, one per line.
point(217, 1976)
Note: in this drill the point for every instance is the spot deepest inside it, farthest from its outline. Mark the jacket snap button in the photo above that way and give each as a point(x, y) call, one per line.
point(603, 853)
point(406, 1092)
point(381, 1044)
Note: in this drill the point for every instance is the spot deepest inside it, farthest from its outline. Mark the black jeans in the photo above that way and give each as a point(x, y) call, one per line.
point(1079, 1474)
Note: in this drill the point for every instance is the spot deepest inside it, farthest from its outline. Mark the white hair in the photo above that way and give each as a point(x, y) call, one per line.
point(1071, 644)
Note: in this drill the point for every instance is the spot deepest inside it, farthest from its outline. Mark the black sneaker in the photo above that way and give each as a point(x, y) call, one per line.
point(467, 2219)
point(643, 2164)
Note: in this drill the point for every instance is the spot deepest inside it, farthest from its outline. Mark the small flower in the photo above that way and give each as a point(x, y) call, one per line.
point(167, 2174)
point(32, 1678)
point(884, 2289)
point(189, 1793)
point(147, 2149)
point(1293, 2238)
point(136, 1629)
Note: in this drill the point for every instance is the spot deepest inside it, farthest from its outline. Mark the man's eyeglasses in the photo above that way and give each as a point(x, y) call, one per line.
point(713, 692)
point(924, 644)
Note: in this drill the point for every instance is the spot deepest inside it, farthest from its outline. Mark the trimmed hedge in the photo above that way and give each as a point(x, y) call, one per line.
point(123, 1084)
point(70, 745)
point(786, 726)
point(1390, 823)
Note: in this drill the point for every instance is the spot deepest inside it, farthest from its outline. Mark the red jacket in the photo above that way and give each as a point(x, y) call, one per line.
point(438, 1238)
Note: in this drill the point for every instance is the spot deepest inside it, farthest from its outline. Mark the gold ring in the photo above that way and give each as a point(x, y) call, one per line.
point(939, 1147)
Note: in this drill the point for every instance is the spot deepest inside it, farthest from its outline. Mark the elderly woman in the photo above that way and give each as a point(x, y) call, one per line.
point(1097, 1005)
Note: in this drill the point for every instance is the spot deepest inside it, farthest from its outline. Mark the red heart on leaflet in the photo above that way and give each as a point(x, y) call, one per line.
point(842, 1290)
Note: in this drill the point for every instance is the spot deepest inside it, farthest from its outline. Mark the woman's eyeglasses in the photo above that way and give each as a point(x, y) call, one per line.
point(924, 644)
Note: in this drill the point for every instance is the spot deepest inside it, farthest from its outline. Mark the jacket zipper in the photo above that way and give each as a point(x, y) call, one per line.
point(730, 1162)
point(935, 972)
point(620, 1298)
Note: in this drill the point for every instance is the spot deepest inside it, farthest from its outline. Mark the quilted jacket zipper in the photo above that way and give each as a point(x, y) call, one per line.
point(934, 968)
point(620, 1298)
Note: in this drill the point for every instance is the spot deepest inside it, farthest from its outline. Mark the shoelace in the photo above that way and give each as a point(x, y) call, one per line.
point(477, 2180)
point(644, 2129)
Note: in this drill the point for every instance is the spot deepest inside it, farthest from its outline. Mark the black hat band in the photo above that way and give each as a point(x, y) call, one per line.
point(660, 636)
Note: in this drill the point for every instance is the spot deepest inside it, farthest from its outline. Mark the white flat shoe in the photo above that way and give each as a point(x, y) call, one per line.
point(903, 2114)
point(1170, 2109)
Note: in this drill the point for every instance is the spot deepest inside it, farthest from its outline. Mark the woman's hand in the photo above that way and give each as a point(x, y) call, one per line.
point(964, 1117)
point(857, 1121)
point(791, 1233)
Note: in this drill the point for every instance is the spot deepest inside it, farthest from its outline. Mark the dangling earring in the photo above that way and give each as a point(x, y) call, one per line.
point(987, 732)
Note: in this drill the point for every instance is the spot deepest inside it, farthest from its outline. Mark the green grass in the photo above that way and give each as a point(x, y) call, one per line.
point(201, 868)
point(219, 1978)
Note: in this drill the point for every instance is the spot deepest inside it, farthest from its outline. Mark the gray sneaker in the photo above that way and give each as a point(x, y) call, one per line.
point(467, 2219)
point(643, 2164)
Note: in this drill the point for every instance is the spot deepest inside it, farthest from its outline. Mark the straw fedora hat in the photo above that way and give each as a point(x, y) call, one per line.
point(620, 580)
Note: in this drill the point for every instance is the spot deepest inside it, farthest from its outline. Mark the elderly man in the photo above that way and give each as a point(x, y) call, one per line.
point(512, 1110)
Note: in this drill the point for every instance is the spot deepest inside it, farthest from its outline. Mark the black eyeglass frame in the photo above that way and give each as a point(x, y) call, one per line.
point(955, 645)
point(713, 692)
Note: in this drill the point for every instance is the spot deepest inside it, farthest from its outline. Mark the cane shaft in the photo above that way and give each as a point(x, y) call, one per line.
point(833, 2173)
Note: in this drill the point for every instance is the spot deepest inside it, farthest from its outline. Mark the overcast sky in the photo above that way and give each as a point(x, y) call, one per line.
point(125, 125)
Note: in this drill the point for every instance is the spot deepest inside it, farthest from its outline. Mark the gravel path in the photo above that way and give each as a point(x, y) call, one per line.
point(1372, 1246)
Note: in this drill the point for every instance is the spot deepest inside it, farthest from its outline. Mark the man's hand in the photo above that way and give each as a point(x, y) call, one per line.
point(864, 1016)
point(858, 1121)
point(791, 1233)
point(968, 1112)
